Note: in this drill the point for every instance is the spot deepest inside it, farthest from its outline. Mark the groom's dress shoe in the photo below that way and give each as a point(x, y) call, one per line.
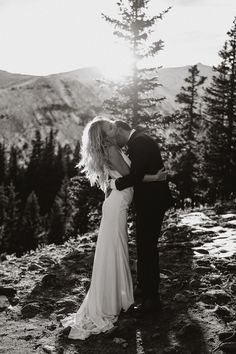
point(147, 309)
point(153, 305)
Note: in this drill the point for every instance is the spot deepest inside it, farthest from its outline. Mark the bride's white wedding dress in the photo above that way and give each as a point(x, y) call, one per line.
point(111, 288)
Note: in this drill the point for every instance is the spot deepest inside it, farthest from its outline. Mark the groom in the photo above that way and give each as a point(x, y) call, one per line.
point(151, 202)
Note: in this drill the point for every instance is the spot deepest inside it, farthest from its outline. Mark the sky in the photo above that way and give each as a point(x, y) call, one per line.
point(42, 37)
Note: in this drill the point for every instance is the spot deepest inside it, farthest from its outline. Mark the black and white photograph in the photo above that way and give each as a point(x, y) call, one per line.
point(118, 176)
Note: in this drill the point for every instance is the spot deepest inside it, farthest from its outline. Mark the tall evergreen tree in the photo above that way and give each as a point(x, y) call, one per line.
point(60, 167)
point(3, 163)
point(220, 117)
point(65, 196)
point(34, 169)
point(188, 129)
point(3, 211)
point(188, 98)
point(13, 172)
point(75, 160)
point(67, 160)
point(60, 221)
point(56, 232)
point(30, 224)
point(134, 99)
point(85, 200)
point(11, 232)
point(3, 204)
point(48, 184)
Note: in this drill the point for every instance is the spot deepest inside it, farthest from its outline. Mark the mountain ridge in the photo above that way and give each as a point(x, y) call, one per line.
point(64, 101)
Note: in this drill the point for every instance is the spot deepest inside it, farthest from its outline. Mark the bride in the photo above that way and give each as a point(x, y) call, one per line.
point(111, 288)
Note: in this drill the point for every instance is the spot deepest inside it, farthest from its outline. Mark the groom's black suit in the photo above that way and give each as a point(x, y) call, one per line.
point(151, 200)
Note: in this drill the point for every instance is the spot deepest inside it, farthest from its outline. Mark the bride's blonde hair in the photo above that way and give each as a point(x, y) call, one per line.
point(94, 155)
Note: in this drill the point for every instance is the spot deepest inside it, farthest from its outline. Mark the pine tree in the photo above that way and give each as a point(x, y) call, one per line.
point(3, 204)
point(189, 99)
point(67, 160)
point(34, 169)
point(188, 128)
point(220, 118)
point(61, 218)
point(56, 232)
point(59, 167)
point(86, 200)
point(11, 234)
point(75, 160)
point(13, 172)
point(48, 184)
point(3, 164)
point(134, 99)
point(3, 211)
point(30, 224)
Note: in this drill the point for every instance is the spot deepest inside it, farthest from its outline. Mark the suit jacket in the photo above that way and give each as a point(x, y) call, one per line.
point(145, 157)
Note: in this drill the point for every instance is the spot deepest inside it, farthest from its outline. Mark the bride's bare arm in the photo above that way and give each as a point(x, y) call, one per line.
point(117, 162)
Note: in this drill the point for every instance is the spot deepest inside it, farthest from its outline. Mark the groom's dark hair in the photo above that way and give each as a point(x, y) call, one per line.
point(123, 125)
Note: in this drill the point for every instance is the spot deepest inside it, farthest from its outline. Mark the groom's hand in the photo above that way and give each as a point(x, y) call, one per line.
point(161, 175)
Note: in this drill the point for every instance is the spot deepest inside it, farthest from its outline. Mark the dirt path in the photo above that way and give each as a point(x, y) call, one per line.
point(198, 277)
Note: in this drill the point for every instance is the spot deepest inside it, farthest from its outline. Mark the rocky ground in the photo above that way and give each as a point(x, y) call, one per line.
point(198, 286)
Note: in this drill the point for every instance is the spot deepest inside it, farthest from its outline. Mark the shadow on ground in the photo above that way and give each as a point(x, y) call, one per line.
point(176, 329)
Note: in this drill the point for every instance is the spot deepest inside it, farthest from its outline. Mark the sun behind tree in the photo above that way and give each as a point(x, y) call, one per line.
point(133, 99)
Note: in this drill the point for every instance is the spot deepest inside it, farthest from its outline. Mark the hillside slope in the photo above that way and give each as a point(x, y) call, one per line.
point(64, 100)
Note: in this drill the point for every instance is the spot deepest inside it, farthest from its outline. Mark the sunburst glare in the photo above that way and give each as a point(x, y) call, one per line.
point(117, 62)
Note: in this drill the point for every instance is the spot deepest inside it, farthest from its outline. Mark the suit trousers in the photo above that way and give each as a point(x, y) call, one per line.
point(148, 226)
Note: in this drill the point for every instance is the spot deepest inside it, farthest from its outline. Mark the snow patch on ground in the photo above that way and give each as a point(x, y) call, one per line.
point(193, 219)
point(223, 243)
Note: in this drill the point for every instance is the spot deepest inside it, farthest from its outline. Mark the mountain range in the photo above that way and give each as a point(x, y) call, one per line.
point(65, 100)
